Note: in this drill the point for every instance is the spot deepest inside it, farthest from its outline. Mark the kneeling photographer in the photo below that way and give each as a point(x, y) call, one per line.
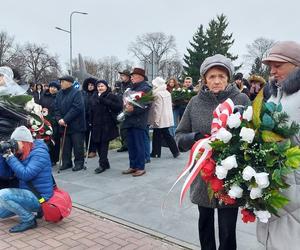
point(30, 162)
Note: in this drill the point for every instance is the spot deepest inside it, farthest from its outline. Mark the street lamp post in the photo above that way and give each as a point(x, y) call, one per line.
point(70, 33)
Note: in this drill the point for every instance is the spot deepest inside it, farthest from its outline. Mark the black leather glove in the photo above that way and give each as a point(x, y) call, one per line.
point(198, 136)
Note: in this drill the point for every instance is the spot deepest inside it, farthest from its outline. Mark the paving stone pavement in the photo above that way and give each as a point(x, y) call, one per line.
point(142, 201)
point(82, 230)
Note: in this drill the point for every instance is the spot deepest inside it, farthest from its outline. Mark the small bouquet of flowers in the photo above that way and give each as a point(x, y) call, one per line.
point(246, 158)
point(182, 95)
point(40, 126)
point(135, 98)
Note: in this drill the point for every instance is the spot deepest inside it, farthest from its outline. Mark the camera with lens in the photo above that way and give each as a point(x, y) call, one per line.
point(6, 145)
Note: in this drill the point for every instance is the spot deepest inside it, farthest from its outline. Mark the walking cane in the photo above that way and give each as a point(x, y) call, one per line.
point(87, 151)
point(62, 149)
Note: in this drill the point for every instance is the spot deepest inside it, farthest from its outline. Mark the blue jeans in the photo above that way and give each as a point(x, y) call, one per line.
point(136, 148)
point(176, 120)
point(16, 201)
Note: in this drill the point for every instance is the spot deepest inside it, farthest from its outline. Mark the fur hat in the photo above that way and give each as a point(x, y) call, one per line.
point(22, 134)
point(257, 78)
point(287, 51)
point(217, 60)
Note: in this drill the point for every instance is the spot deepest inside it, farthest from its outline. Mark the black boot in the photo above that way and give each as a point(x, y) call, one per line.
point(99, 170)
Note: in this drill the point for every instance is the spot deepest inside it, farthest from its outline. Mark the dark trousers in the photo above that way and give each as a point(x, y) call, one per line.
point(91, 147)
point(102, 149)
point(136, 147)
point(227, 218)
point(123, 134)
point(158, 135)
point(73, 141)
point(54, 149)
point(147, 144)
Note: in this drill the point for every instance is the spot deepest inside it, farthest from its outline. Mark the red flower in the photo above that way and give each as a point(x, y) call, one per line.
point(208, 169)
point(226, 199)
point(42, 131)
point(248, 216)
point(216, 184)
point(143, 93)
point(47, 138)
point(137, 97)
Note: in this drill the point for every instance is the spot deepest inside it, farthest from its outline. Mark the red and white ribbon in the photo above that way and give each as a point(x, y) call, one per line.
point(193, 167)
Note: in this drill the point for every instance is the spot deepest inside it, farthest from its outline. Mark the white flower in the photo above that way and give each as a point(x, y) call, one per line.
point(37, 109)
point(34, 127)
point(45, 111)
point(255, 193)
point(234, 120)
point(248, 173)
point(247, 134)
point(235, 191)
point(183, 90)
point(34, 134)
point(179, 89)
point(221, 172)
point(223, 135)
point(262, 215)
point(29, 105)
point(48, 132)
point(31, 121)
point(189, 91)
point(262, 179)
point(248, 113)
point(229, 162)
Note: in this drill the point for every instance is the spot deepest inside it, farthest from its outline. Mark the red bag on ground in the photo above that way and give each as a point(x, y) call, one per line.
point(58, 206)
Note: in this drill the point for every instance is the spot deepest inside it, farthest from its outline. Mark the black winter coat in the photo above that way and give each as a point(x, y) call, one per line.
point(48, 101)
point(103, 111)
point(139, 117)
point(69, 106)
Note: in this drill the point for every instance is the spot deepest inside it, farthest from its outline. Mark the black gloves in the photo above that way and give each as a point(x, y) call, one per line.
point(198, 136)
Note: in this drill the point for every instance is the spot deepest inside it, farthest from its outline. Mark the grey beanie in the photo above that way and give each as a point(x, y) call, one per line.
point(217, 60)
point(22, 134)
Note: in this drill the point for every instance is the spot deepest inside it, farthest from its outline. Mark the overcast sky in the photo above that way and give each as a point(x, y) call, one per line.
point(111, 25)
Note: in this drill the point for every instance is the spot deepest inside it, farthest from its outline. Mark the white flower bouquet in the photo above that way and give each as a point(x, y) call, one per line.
point(248, 157)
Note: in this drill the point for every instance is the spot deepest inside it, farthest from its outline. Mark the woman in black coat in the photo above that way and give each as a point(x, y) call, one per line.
point(103, 111)
point(47, 102)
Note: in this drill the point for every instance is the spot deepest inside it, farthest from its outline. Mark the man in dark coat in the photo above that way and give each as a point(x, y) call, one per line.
point(136, 124)
point(119, 90)
point(88, 89)
point(70, 114)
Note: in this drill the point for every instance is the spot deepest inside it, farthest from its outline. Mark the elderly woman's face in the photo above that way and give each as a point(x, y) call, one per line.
point(101, 87)
point(216, 79)
point(280, 70)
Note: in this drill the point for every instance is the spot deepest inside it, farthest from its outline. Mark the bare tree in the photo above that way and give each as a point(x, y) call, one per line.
point(7, 49)
point(170, 68)
point(258, 49)
point(162, 45)
point(40, 66)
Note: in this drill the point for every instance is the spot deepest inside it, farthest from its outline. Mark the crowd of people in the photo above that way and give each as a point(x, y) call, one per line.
point(85, 121)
